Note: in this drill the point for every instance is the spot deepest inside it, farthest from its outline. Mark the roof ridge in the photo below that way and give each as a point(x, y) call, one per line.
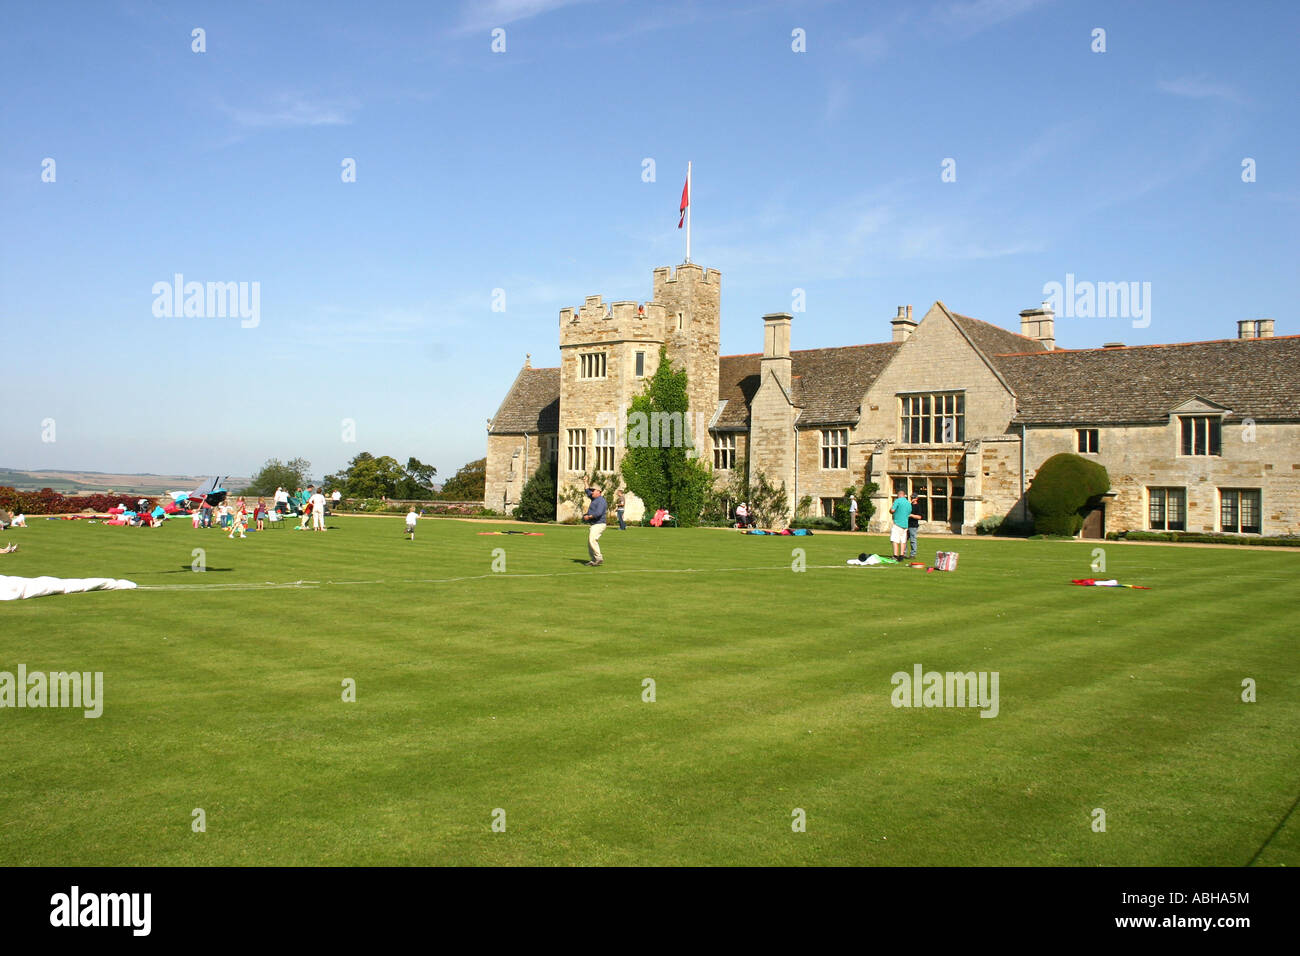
point(1149, 345)
point(821, 348)
point(991, 325)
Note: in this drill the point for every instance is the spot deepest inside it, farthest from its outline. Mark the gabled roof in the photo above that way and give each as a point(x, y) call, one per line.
point(828, 384)
point(532, 405)
point(832, 382)
point(994, 340)
point(1255, 378)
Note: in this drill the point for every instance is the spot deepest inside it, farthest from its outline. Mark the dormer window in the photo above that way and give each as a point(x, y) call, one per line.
point(1200, 435)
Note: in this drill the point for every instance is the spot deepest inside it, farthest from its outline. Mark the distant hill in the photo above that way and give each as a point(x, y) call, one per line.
point(71, 482)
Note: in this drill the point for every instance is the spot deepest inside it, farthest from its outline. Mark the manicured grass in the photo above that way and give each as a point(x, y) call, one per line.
point(523, 690)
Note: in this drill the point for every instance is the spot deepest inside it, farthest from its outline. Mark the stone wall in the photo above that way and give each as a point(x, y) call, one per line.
point(511, 461)
point(820, 482)
point(993, 482)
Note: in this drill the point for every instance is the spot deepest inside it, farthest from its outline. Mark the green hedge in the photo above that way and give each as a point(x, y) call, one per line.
point(1063, 487)
point(1195, 537)
point(818, 523)
point(1004, 527)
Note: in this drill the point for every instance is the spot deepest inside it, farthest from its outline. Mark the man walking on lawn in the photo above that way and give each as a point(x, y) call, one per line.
point(596, 515)
point(901, 509)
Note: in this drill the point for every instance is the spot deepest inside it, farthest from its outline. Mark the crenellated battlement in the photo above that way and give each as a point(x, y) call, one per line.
point(688, 273)
point(597, 320)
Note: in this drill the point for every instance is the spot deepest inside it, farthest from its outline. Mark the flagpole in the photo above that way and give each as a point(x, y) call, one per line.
point(690, 198)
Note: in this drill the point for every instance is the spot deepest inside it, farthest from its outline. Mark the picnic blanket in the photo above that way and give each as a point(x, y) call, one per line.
point(15, 588)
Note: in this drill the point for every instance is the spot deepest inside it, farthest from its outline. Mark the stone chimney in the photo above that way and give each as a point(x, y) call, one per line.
point(776, 347)
point(1040, 324)
point(1255, 329)
point(903, 323)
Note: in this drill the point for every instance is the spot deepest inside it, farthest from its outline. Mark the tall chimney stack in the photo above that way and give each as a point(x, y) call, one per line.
point(1040, 324)
point(776, 347)
point(1255, 329)
point(903, 323)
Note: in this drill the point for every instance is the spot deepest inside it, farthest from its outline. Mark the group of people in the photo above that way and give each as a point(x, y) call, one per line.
point(230, 516)
point(227, 515)
point(310, 504)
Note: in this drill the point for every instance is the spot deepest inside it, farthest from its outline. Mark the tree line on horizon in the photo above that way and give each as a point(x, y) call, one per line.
point(368, 476)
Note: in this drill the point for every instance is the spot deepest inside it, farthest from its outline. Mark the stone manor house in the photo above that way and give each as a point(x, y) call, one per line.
point(1197, 436)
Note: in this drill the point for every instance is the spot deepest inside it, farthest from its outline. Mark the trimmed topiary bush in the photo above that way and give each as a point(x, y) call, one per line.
point(1062, 490)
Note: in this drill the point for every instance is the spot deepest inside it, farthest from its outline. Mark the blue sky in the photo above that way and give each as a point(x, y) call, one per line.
point(522, 171)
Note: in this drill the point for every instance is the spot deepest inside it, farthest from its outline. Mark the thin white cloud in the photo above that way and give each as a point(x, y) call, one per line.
point(837, 100)
point(487, 14)
point(871, 47)
point(292, 109)
point(971, 16)
point(1201, 88)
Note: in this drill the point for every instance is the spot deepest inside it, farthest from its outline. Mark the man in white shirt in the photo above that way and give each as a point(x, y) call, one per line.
point(318, 512)
point(411, 518)
point(281, 500)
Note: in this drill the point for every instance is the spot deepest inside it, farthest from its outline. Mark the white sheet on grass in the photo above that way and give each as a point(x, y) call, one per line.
point(15, 589)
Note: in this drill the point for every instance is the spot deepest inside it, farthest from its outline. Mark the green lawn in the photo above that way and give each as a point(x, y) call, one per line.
point(522, 690)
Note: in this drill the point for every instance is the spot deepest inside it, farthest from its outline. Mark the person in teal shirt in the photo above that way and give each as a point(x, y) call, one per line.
point(901, 509)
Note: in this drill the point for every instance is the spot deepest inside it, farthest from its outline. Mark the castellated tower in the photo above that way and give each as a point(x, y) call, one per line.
point(609, 350)
point(692, 298)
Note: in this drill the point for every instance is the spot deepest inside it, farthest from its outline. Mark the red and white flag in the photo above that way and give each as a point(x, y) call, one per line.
point(686, 200)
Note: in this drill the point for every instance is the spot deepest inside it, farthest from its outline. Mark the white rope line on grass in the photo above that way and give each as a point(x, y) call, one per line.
point(501, 575)
point(269, 585)
point(473, 577)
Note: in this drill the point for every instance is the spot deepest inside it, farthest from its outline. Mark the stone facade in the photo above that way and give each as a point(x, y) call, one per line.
point(1139, 458)
point(976, 389)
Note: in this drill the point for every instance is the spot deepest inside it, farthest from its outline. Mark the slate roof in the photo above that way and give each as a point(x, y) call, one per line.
point(994, 340)
point(532, 405)
point(828, 384)
point(1256, 378)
